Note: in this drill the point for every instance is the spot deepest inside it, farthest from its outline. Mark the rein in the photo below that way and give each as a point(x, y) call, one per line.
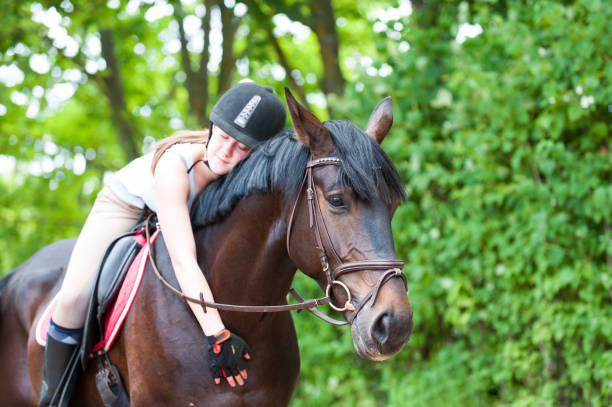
point(390, 268)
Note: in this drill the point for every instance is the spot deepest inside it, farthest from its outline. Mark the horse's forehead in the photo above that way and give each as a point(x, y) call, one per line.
point(328, 176)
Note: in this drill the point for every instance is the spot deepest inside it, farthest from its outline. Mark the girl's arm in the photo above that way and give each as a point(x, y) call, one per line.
point(171, 194)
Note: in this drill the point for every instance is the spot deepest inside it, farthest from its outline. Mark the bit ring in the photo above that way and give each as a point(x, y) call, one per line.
point(348, 306)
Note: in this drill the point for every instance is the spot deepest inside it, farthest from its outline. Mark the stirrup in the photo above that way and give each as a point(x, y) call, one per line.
point(109, 384)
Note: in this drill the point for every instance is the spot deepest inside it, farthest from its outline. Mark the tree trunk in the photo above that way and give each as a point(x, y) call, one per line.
point(128, 134)
point(228, 60)
point(324, 26)
point(204, 58)
point(193, 79)
point(265, 22)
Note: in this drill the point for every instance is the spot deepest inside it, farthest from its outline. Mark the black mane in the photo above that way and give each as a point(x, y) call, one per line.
point(4, 281)
point(280, 164)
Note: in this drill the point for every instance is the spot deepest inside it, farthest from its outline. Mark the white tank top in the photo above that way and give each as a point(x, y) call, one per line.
point(134, 182)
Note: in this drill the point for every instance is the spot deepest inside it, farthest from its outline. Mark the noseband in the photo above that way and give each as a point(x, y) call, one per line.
point(336, 268)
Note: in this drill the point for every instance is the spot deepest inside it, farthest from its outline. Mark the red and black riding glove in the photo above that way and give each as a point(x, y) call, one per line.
point(226, 354)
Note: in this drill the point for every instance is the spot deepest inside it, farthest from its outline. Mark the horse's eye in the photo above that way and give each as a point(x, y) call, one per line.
point(336, 201)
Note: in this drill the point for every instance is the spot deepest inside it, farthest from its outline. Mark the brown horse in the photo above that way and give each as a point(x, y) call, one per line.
point(253, 229)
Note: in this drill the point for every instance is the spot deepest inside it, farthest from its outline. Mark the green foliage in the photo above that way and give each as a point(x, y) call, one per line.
point(503, 142)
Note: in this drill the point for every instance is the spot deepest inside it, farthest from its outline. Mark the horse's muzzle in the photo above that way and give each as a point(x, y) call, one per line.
point(382, 330)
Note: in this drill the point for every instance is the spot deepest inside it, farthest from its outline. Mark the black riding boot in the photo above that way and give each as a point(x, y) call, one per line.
point(61, 372)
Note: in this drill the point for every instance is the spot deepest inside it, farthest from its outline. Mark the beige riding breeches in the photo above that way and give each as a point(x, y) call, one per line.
point(109, 218)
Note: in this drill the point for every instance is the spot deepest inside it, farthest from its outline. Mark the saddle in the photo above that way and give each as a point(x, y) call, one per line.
point(118, 259)
point(117, 282)
point(109, 304)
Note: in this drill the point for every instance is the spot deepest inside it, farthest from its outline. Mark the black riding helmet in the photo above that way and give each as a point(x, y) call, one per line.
point(250, 113)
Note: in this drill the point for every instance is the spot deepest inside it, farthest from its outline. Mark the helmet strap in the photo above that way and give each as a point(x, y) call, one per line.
point(207, 142)
point(209, 135)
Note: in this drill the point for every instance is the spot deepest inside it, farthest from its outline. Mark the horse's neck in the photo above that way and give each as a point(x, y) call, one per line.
point(244, 257)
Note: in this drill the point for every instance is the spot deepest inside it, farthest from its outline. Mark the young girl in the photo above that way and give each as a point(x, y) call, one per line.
point(167, 182)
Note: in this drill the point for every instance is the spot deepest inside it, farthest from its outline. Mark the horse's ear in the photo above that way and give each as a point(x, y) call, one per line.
point(380, 121)
point(308, 129)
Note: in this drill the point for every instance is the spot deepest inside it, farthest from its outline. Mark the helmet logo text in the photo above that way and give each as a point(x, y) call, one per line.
point(247, 111)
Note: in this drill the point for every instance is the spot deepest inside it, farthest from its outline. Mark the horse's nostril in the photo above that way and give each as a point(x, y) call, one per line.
point(380, 328)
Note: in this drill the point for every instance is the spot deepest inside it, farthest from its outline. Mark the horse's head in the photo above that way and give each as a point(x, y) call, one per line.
point(340, 227)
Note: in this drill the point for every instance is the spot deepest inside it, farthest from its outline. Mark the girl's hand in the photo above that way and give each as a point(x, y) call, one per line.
point(226, 357)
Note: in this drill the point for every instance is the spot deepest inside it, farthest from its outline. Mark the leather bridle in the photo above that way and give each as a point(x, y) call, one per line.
point(338, 268)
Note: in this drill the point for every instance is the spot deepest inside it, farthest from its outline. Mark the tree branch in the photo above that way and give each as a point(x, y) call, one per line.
point(204, 58)
point(127, 131)
point(325, 29)
point(193, 81)
point(228, 59)
point(282, 58)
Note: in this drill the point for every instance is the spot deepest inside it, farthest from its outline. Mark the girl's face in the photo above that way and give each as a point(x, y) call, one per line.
point(224, 151)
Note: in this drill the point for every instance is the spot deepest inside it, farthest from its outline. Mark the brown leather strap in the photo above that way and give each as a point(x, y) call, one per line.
point(323, 161)
point(324, 243)
point(229, 307)
point(373, 294)
point(290, 223)
point(367, 265)
point(316, 312)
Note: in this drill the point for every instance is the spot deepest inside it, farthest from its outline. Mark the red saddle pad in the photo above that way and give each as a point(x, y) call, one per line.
point(113, 320)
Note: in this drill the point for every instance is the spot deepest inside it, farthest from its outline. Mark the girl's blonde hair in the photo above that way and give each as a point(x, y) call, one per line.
point(181, 136)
